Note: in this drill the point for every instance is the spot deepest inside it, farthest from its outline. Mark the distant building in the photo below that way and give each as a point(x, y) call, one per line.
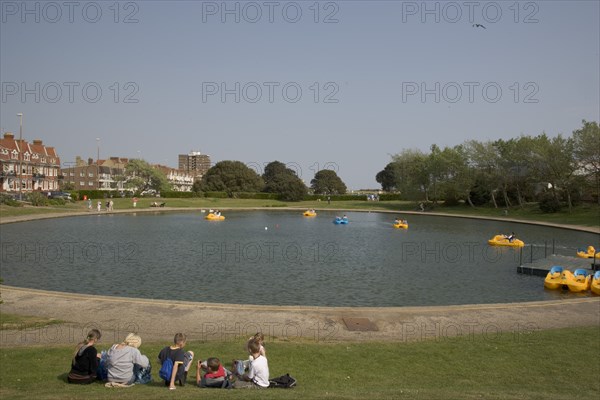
point(27, 167)
point(181, 181)
point(194, 163)
point(99, 175)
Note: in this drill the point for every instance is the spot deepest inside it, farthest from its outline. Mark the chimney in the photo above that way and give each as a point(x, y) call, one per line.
point(8, 135)
point(37, 142)
point(90, 161)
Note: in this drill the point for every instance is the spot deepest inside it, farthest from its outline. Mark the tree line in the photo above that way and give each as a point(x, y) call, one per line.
point(505, 172)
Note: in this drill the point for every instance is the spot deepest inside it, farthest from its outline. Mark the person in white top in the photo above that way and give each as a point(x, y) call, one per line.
point(258, 373)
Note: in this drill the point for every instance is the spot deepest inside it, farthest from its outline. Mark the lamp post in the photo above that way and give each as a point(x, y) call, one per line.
point(98, 163)
point(20, 115)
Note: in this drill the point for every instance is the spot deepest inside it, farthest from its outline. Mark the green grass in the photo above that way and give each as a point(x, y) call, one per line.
point(585, 215)
point(20, 322)
point(553, 364)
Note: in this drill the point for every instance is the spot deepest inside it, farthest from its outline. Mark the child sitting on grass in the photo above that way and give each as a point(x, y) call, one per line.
point(214, 376)
point(181, 360)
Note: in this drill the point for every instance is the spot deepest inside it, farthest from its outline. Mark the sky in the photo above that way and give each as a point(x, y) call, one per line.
point(339, 85)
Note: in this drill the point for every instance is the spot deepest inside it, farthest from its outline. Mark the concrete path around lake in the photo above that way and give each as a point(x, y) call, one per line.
point(159, 320)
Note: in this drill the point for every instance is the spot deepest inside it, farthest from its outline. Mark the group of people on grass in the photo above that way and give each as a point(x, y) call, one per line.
point(123, 365)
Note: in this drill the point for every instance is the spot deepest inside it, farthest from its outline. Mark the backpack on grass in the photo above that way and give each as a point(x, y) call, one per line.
point(166, 369)
point(282, 382)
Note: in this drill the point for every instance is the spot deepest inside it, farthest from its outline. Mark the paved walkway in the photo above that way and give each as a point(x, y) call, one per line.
point(158, 320)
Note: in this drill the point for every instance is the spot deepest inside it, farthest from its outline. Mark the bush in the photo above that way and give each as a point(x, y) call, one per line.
point(57, 202)
point(216, 195)
point(180, 195)
point(37, 199)
point(390, 196)
point(548, 204)
point(9, 200)
point(91, 194)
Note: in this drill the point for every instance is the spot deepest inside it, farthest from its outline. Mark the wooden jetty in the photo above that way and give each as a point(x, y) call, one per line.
point(542, 266)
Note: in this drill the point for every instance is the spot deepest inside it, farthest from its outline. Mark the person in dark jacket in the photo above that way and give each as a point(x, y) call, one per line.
point(85, 360)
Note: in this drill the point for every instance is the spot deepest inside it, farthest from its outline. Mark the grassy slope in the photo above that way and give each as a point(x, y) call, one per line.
point(555, 364)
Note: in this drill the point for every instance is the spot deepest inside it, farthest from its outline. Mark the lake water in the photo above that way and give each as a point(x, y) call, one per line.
point(280, 258)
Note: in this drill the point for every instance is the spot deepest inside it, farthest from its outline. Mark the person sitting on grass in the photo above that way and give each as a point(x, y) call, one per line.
point(85, 360)
point(241, 366)
point(181, 360)
point(214, 376)
point(258, 373)
point(125, 364)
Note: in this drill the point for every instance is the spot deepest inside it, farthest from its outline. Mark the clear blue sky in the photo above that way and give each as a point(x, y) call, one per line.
point(389, 76)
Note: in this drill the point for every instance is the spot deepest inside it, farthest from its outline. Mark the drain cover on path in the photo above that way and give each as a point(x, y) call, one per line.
point(359, 324)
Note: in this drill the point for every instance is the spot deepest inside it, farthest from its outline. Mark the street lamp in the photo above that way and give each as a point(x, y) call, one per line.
point(20, 115)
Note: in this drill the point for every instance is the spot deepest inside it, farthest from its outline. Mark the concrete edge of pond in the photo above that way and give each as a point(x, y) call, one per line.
point(159, 320)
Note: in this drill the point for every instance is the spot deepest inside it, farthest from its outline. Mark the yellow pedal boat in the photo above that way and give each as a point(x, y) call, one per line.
point(595, 286)
point(579, 281)
point(501, 240)
point(589, 253)
point(400, 225)
point(308, 213)
point(555, 278)
point(213, 217)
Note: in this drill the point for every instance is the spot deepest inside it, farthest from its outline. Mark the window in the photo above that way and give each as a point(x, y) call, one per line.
point(81, 183)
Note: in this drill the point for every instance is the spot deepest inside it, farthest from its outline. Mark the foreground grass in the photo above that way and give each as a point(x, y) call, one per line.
point(553, 364)
point(585, 215)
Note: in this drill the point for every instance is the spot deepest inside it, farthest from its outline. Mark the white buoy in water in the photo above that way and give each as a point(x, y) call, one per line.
point(266, 228)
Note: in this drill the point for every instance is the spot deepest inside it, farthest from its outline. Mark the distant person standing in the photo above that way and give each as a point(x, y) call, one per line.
point(89, 204)
point(110, 205)
point(99, 206)
point(135, 200)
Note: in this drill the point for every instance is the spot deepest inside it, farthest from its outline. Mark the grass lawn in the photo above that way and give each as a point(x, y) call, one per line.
point(20, 322)
point(553, 364)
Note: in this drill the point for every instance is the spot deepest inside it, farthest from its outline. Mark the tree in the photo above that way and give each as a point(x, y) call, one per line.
point(231, 177)
point(142, 177)
point(284, 181)
point(555, 164)
point(326, 181)
point(412, 174)
point(587, 152)
point(390, 177)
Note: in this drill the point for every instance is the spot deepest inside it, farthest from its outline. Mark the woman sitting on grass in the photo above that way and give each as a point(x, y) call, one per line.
point(85, 360)
point(125, 364)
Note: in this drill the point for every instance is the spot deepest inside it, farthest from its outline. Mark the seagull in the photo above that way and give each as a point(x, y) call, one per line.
point(479, 26)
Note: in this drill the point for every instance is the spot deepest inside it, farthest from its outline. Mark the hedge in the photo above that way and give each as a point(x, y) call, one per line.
point(180, 195)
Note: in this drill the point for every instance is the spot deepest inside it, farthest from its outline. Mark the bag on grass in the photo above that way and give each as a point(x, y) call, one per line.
point(282, 382)
point(166, 369)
